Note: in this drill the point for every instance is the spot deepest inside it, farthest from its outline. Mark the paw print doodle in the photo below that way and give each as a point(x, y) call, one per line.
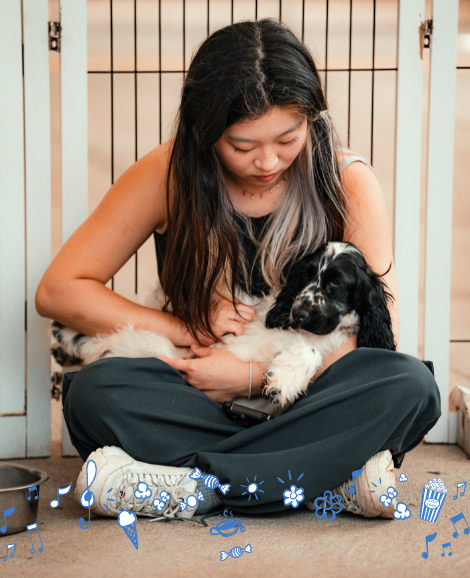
point(294, 496)
point(328, 503)
point(402, 511)
point(403, 478)
point(159, 504)
point(387, 498)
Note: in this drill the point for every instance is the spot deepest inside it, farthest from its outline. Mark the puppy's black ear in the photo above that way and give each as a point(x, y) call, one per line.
point(371, 304)
point(279, 314)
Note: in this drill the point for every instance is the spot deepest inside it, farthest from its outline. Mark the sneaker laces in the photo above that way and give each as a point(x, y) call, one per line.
point(125, 499)
point(349, 502)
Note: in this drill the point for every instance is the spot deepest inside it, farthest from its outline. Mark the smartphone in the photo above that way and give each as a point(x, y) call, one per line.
point(244, 415)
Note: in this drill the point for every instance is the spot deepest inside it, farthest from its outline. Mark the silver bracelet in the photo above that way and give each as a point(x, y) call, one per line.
point(251, 379)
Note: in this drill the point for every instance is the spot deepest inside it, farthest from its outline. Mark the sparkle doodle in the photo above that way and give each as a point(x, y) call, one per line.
point(228, 527)
point(209, 480)
point(235, 552)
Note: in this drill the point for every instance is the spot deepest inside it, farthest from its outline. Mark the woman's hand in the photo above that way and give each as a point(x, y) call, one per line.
point(217, 373)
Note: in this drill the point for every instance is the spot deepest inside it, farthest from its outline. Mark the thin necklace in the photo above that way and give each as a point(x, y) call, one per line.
point(270, 189)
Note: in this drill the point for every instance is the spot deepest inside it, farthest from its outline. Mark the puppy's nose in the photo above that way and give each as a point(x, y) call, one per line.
point(300, 316)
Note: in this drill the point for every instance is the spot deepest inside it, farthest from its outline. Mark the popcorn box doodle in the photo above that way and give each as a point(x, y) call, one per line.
point(432, 500)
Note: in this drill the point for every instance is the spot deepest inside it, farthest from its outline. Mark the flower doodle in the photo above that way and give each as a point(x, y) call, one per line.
point(328, 503)
point(294, 496)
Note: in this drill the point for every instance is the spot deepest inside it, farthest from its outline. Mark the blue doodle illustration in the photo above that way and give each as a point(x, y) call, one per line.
point(60, 492)
point(460, 485)
point(403, 478)
point(252, 488)
point(456, 519)
point(223, 528)
point(33, 489)
point(128, 522)
point(34, 527)
point(209, 480)
point(328, 503)
point(401, 512)
point(87, 499)
point(108, 499)
point(387, 498)
point(293, 496)
point(159, 503)
point(429, 538)
point(6, 513)
point(444, 546)
point(12, 554)
point(143, 491)
point(235, 552)
point(373, 491)
point(432, 500)
point(355, 475)
point(191, 501)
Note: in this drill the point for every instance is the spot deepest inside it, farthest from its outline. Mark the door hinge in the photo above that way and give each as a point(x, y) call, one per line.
point(427, 33)
point(55, 30)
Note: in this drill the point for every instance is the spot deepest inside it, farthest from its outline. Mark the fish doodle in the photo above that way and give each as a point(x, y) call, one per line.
point(209, 480)
point(224, 526)
point(235, 552)
point(191, 501)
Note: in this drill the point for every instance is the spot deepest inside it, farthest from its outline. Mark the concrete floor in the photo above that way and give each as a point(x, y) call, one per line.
point(291, 543)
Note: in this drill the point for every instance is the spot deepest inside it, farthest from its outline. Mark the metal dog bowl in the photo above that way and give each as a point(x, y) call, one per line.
point(17, 491)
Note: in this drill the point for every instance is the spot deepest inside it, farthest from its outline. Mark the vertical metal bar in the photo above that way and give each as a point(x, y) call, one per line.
point(439, 205)
point(112, 102)
point(38, 221)
point(326, 48)
point(160, 70)
point(184, 39)
point(280, 10)
point(208, 14)
point(373, 89)
point(303, 20)
point(231, 13)
point(135, 124)
point(256, 9)
point(349, 72)
point(408, 169)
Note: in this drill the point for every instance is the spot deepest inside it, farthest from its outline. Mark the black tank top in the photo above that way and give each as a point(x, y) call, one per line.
point(258, 285)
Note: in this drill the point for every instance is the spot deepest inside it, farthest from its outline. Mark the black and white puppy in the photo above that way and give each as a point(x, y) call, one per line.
point(328, 296)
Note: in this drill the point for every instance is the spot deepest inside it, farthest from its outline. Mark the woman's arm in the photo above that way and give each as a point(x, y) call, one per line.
point(73, 289)
point(368, 228)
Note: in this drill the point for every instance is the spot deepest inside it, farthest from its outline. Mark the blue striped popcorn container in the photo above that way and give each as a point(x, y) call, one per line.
point(432, 500)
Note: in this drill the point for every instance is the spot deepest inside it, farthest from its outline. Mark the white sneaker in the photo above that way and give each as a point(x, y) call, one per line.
point(377, 477)
point(116, 481)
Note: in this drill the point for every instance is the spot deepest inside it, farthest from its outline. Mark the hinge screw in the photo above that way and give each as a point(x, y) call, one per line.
point(54, 36)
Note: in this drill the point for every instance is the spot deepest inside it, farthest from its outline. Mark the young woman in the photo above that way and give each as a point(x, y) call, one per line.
point(253, 179)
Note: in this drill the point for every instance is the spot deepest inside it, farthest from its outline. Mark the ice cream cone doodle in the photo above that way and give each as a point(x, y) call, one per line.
point(191, 501)
point(209, 480)
point(127, 520)
point(235, 552)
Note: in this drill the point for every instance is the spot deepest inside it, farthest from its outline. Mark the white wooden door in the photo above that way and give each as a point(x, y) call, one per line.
point(25, 227)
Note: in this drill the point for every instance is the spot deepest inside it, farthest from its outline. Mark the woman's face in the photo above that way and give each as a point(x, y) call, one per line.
point(258, 151)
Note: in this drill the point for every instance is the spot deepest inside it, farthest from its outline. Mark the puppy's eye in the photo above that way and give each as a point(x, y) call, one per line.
point(335, 283)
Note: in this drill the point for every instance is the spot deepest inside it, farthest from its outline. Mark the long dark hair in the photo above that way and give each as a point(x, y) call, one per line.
point(239, 73)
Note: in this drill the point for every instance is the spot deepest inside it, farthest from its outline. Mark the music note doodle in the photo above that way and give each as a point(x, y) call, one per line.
point(429, 538)
point(60, 492)
point(6, 513)
point(456, 519)
point(444, 546)
point(87, 499)
point(460, 485)
point(33, 489)
point(9, 547)
point(34, 527)
point(355, 475)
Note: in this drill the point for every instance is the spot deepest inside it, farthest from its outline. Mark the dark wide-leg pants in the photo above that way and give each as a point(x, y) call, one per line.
point(367, 401)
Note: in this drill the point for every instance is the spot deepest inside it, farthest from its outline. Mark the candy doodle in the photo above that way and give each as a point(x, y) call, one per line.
point(224, 526)
point(192, 501)
point(235, 552)
point(209, 480)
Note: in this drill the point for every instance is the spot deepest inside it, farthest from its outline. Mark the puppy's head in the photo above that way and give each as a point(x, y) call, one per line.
point(335, 288)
